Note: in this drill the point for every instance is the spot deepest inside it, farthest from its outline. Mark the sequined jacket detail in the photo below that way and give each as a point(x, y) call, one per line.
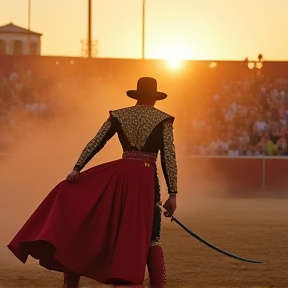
point(142, 128)
point(168, 157)
point(138, 122)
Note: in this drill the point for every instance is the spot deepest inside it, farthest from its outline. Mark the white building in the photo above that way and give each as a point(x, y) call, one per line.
point(15, 40)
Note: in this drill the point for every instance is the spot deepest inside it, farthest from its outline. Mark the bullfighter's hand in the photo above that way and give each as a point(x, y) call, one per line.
point(170, 206)
point(73, 176)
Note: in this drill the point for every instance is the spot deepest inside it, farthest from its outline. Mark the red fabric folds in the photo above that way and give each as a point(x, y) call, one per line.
point(99, 226)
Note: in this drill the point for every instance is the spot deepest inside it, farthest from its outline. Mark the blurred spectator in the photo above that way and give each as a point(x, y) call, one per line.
point(239, 119)
point(24, 97)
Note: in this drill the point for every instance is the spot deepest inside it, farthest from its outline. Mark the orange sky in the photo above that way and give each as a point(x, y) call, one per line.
point(202, 29)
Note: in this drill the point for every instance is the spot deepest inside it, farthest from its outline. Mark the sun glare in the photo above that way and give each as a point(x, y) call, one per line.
point(174, 63)
point(174, 54)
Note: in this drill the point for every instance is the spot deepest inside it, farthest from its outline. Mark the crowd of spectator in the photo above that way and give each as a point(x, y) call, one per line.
point(240, 118)
point(24, 97)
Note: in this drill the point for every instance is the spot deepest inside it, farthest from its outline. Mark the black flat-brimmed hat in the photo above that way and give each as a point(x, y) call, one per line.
point(146, 89)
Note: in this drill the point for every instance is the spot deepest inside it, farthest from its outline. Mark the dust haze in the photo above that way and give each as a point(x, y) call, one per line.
point(45, 150)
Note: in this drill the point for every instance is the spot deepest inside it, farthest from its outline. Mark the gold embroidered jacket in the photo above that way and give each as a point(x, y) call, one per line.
point(140, 127)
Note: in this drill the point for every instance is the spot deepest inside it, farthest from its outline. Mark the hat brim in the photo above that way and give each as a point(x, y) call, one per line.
point(135, 94)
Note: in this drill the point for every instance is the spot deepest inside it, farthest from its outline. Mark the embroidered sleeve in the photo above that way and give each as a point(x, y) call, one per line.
point(168, 158)
point(105, 133)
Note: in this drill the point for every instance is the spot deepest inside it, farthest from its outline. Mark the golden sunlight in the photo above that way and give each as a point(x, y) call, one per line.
point(173, 53)
point(174, 63)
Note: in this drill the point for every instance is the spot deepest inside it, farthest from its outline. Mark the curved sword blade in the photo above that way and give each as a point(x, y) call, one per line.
point(212, 246)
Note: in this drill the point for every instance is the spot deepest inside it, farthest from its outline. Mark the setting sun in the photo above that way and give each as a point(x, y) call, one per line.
point(173, 53)
point(174, 63)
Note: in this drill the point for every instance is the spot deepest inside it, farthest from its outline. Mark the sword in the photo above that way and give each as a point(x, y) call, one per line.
point(212, 246)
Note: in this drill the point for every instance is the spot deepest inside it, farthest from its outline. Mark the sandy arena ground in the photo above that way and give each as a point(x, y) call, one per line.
point(251, 228)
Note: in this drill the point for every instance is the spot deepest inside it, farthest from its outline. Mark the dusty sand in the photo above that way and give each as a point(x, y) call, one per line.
point(251, 228)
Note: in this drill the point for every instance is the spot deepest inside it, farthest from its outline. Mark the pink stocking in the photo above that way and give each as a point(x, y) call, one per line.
point(71, 280)
point(156, 267)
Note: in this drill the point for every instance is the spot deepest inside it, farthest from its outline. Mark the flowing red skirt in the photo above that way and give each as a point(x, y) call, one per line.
point(99, 226)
